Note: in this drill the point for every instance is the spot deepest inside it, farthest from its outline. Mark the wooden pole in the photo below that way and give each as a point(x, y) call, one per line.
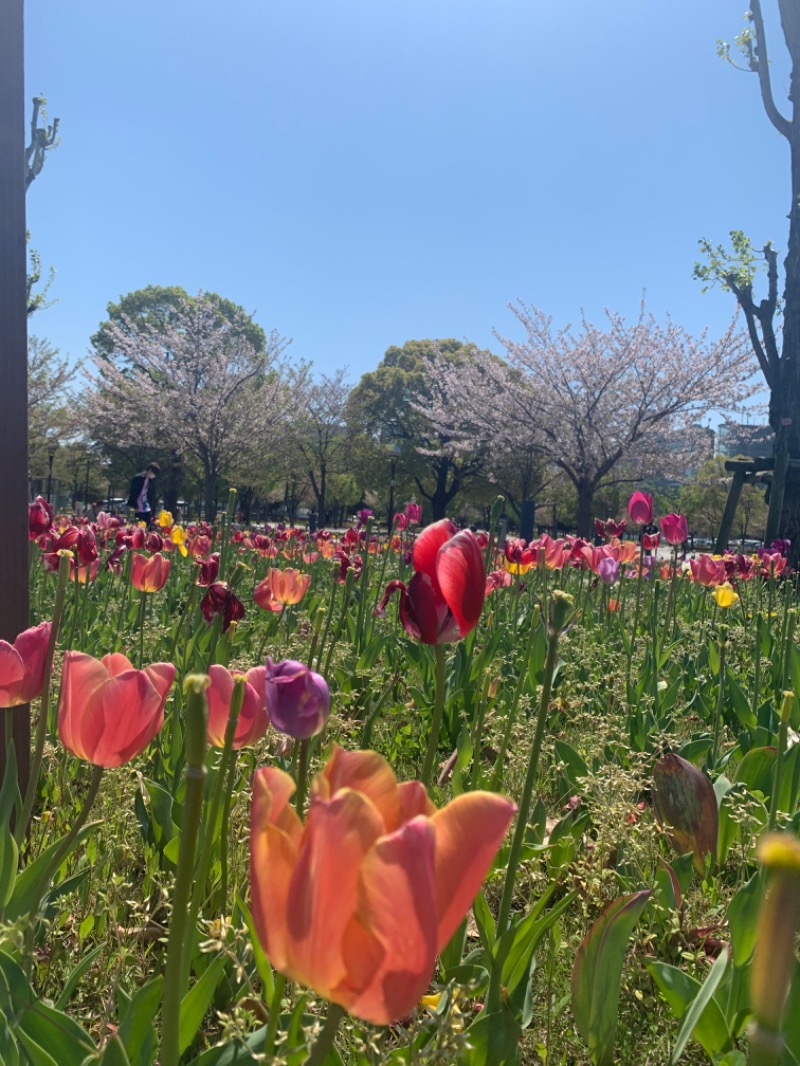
point(13, 356)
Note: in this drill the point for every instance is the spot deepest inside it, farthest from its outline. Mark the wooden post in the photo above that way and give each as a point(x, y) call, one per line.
point(13, 356)
point(728, 515)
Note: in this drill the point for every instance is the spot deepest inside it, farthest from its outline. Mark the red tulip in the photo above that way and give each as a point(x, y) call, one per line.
point(675, 528)
point(444, 599)
point(358, 902)
point(707, 571)
point(253, 721)
point(150, 575)
point(650, 541)
point(209, 570)
point(640, 508)
point(40, 517)
point(110, 712)
point(609, 529)
point(220, 599)
point(22, 666)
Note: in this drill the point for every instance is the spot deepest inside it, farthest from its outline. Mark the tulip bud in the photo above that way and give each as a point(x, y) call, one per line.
point(196, 719)
point(298, 700)
point(774, 959)
point(497, 509)
point(561, 612)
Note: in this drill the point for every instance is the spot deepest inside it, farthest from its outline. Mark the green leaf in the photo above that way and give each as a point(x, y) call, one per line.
point(136, 1030)
point(492, 1040)
point(526, 935)
point(687, 808)
point(484, 921)
point(9, 863)
point(55, 1033)
point(743, 919)
point(114, 1053)
point(757, 770)
point(196, 1001)
point(698, 1005)
point(575, 769)
point(73, 979)
point(259, 955)
point(453, 951)
point(463, 759)
point(28, 879)
point(9, 792)
point(679, 990)
point(597, 972)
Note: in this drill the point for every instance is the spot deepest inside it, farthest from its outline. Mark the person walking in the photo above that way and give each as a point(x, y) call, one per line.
point(141, 496)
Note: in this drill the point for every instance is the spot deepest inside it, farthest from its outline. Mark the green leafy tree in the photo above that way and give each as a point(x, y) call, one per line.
point(388, 403)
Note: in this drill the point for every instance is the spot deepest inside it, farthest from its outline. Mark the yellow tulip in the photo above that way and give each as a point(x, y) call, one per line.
point(724, 595)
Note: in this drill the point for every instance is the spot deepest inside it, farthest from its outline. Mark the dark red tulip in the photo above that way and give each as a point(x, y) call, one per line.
point(221, 599)
point(209, 570)
point(40, 517)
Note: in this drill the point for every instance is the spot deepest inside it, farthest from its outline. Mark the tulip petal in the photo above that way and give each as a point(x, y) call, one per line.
point(116, 663)
point(275, 832)
point(323, 892)
point(390, 948)
point(469, 830)
point(413, 800)
point(125, 714)
point(427, 545)
point(81, 676)
point(462, 578)
point(365, 772)
point(12, 673)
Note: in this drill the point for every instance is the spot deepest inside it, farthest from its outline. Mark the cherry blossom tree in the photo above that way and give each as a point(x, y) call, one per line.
point(601, 405)
point(192, 383)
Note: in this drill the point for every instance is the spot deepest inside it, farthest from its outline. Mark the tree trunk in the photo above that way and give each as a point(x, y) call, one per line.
point(585, 492)
point(209, 494)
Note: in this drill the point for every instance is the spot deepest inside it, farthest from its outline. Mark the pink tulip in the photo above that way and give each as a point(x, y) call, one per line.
point(110, 712)
point(707, 571)
point(675, 528)
point(640, 508)
point(253, 721)
point(358, 902)
point(22, 666)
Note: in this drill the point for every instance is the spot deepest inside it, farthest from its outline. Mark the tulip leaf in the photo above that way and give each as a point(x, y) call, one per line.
point(54, 1033)
point(9, 1052)
point(698, 1005)
point(484, 921)
point(453, 951)
point(196, 1002)
point(687, 808)
point(9, 792)
point(491, 1040)
point(525, 936)
point(743, 918)
point(27, 881)
point(259, 955)
point(597, 972)
point(136, 1030)
point(680, 990)
point(9, 862)
point(114, 1053)
point(757, 770)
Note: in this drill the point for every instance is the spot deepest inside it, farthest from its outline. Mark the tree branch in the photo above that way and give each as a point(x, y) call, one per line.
point(761, 66)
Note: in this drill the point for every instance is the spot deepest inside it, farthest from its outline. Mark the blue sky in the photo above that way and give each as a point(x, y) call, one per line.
point(362, 173)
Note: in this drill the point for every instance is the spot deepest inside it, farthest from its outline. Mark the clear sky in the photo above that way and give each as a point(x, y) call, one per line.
point(365, 172)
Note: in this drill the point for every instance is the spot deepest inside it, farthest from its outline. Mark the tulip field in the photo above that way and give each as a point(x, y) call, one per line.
point(432, 798)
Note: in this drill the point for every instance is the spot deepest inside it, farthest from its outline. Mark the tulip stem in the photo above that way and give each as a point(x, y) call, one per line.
point(141, 630)
point(44, 702)
point(179, 933)
point(438, 714)
point(324, 1042)
point(712, 760)
point(511, 717)
point(522, 817)
point(302, 776)
point(274, 1016)
point(204, 862)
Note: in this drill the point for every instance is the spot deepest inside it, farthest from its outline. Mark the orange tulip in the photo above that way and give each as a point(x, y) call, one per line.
point(110, 712)
point(149, 575)
point(281, 587)
point(358, 902)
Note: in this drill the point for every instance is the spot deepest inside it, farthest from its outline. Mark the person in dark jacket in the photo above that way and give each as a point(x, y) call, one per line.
point(141, 495)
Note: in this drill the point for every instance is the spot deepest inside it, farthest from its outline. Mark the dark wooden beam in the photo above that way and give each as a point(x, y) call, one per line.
point(13, 355)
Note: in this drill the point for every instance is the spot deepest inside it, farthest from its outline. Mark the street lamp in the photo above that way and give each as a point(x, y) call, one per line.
point(394, 454)
point(50, 457)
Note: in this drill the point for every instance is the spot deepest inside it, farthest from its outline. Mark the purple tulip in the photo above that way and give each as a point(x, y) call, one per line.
point(608, 569)
point(298, 700)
